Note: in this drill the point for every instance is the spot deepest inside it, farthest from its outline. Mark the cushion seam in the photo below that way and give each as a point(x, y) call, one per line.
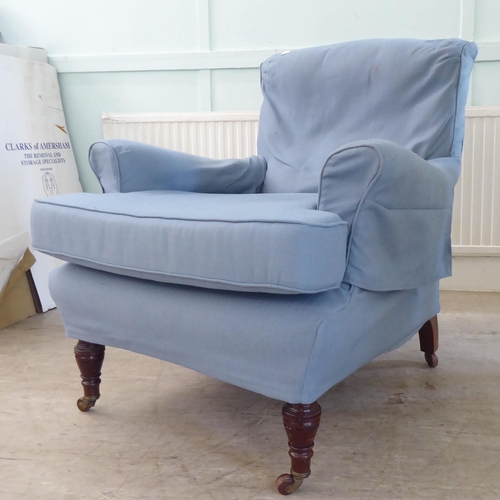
point(194, 278)
point(277, 221)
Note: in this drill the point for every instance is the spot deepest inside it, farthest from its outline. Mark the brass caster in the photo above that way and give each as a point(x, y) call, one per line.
point(432, 359)
point(86, 403)
point(288, 483)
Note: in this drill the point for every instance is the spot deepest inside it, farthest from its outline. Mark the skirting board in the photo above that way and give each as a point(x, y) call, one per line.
point(471, 273)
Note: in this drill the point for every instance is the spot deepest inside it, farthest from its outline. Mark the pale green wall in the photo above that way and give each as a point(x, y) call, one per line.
point(190, 55)
point(487, 20)
point(76, 27)
point(239, 25)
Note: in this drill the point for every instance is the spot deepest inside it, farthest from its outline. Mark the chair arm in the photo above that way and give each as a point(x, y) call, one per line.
point(125, 166)
point(398, 209)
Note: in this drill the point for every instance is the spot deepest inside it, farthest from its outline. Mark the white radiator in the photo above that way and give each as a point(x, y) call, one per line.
point(476, 213)
point(476, 223)
point(214, 135)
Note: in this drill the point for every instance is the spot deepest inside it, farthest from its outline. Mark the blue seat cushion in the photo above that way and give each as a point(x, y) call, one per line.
point(276, 243)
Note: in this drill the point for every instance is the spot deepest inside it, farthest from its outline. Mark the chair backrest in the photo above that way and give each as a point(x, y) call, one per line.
point(411, 92)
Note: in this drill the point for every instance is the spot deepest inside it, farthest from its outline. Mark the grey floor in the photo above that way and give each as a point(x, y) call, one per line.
point(393, 430)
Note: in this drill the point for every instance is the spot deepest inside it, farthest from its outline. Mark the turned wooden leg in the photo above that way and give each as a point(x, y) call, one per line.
point(89, 358)
point(429, 335)
point(301, 423)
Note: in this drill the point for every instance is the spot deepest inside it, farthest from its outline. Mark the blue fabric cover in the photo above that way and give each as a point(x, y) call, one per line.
point(124, 166)
point(278, 243)
point(360, 139)
point(398, 207)
point(410, 92)
point(289, 347)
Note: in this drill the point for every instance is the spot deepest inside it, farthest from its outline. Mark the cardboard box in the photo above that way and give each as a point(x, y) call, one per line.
point(16, 299)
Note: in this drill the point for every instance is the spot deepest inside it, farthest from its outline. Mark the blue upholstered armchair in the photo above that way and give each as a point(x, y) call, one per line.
point(285, 272)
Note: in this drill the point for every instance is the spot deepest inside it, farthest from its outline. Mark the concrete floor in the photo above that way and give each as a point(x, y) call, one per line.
point(393, 430)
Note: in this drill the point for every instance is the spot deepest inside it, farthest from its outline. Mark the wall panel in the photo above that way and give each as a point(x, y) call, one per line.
point(486, 84)
point(236, 90)
point(101, 27)
point(487, 20)
point(262, 24)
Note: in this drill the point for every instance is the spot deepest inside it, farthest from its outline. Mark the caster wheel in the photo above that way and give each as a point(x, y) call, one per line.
point(287, 484)
point(284, 482)
point(84, 404)
point(432, 359)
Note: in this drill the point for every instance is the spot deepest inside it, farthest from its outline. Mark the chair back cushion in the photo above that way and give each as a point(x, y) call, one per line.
point(318, 99)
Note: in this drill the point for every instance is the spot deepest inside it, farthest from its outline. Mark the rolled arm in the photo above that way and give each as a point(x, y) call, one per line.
point(398, 209)
point(125, 166)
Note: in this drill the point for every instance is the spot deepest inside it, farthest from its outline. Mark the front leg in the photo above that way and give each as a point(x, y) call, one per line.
point(301, 422)
point(89, 358)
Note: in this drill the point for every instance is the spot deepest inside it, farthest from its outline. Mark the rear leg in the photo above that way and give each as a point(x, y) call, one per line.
point(429, 339)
